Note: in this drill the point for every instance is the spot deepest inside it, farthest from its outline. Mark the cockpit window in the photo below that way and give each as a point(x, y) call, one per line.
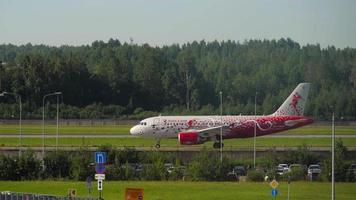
point(143, 123)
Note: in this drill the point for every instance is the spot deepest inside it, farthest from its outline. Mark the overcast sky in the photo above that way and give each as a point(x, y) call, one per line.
point(164, 22)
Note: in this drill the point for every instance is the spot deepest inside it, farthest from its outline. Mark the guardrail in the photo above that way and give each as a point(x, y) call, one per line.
point(7, 195)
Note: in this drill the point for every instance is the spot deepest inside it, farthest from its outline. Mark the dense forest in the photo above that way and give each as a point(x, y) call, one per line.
point(121, 80)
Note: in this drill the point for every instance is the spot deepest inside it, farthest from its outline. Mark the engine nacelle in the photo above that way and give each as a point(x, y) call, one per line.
point(190, 138)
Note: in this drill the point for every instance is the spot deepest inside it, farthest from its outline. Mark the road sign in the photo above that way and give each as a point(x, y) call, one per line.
point(274, 184)
point(100, 168)
point(133, 194)
point(274, 192)
point(100, 157)
point(99, 176)
point(100, 185)
point(72, 192)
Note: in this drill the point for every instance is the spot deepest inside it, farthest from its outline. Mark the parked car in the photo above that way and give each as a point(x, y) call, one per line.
point(169, 167)
point(282, 169)
point(236, 172)
point(314, 169)
point(352, 169)
point(284, 166)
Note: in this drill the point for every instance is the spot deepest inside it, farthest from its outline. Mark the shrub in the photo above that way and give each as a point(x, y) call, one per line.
point(29, 166)
point(81, 166)
point(255, 175)
point(57, 165)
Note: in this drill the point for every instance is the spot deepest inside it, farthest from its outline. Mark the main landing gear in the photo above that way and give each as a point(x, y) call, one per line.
point(158, 145)
point(217, 145)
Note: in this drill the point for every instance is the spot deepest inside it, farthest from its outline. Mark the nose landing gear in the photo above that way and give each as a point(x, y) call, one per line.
point(158, 145)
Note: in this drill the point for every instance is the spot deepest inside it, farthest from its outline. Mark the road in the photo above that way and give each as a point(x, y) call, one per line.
point(132, 136)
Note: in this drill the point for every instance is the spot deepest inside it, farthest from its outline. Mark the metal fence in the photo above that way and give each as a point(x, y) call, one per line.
point(28, 196)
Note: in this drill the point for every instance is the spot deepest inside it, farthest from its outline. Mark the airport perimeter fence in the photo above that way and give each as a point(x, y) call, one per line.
point(28, 196)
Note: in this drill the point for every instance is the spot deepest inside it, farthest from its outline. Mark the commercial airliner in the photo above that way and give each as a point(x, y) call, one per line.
point(192, 130)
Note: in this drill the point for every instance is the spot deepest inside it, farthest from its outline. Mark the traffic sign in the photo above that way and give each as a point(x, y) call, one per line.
point(99, 176)
point(133, 194)
point(274, 184)
point(274, 192)
point(100, 157)
point(100, 185)
point(72, 192)
point(100, 168)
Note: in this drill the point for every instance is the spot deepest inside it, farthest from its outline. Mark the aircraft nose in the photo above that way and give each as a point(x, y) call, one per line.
point(133, 130)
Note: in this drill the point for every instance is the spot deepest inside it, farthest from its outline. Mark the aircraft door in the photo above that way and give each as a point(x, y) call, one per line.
point(156, 124)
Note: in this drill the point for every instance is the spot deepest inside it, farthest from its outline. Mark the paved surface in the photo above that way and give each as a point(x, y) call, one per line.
point(132, 136)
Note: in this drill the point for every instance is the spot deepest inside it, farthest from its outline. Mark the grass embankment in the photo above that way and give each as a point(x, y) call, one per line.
point(189, 190)
point(320, 130)
point(149, 142)
point(66, 129)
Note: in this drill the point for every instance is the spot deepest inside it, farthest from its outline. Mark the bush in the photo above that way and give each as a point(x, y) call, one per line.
point(255, 175)
point(155, 169)
point(81, 166)
point(8, 168)
point(57, 165)
point(29, 166)
point(206, 166)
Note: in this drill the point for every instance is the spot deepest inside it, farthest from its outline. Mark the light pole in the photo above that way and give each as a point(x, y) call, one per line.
point(333, 158)
point(221, 121)
point(43, 120)
point(20, 117)
point(254, 138)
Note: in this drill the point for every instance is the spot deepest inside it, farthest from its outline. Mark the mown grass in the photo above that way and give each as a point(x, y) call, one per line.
point(321, 130)
point(162, 190)
point(125, 129)
point(66, 129)
point(149, 142)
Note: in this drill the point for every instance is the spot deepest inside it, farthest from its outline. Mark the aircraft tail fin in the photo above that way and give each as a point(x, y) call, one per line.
point(295, 103)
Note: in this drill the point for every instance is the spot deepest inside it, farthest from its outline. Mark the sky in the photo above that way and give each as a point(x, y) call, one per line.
point(166, 22)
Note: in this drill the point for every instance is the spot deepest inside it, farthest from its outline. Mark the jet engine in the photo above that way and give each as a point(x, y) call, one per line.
point(190, 138)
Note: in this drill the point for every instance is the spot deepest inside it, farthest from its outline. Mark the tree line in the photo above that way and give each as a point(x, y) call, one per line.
point(114, 79)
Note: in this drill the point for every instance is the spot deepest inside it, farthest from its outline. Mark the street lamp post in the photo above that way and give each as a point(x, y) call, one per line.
point(221, 125)
point(20, 117)
point(43, 120)
point(254, 138)
point(333, 158)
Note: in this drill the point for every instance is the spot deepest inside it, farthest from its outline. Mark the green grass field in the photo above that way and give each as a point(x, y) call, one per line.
point(124, 129)
point(149, 142)
point(189, 190)
point(66, 129)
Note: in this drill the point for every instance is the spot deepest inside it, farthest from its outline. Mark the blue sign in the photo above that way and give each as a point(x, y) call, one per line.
point(100, 157)
point(100, 168)
point(274, 192)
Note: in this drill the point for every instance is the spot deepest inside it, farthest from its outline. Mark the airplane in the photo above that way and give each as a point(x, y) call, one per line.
point(193, 130)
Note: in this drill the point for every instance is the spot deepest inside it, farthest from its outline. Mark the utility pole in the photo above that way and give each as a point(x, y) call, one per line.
point(57, 132)
point(254, 138)
point(221, 125)
point(333, 158)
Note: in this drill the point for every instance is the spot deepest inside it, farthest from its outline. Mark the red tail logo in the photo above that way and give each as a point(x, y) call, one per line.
point(295, 100)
